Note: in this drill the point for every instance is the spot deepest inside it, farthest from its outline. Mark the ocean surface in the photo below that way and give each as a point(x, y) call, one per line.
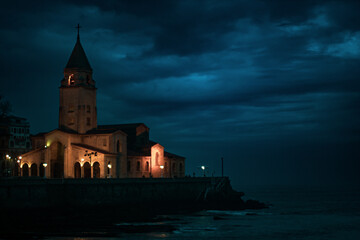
point(295, 213)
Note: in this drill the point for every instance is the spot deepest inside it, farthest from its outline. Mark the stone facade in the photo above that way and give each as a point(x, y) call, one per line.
point(80, 148)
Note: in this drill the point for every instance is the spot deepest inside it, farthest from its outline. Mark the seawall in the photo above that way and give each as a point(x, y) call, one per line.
point(81, 193)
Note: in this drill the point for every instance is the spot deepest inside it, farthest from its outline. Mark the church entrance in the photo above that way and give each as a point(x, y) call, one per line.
point(77, 170)
point(33, 170)
point(41, 170)
point(96, 170)
point(25, 170)
point(87, 170)
point(57, 160)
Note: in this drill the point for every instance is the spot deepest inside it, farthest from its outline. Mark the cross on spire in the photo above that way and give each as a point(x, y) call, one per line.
point(78, 31)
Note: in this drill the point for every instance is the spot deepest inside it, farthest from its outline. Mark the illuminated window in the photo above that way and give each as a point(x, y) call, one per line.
point(147, 166)
point(138, 166)
point(88, 121)
point(71, 80)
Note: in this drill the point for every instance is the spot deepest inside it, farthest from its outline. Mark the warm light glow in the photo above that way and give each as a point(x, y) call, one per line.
point(45, 164)
point(109, 165)
point(45, 146)
point(20, 157)
point(69, 79)
point(82, 160)
point(203, 167)
point(18, 161)
point(7, 156)
point(162, 167)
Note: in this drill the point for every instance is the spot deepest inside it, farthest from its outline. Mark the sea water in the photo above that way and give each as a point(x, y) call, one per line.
point(294, 213)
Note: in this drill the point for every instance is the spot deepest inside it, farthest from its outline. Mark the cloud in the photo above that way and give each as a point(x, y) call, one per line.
point(210, 78)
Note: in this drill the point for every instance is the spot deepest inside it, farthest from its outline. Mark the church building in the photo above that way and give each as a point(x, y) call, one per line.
point(80, 148)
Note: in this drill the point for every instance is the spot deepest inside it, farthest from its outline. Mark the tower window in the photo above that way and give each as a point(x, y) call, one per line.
point(71, 121)
point(88, 121)
point(71, 80)
point(87, 79)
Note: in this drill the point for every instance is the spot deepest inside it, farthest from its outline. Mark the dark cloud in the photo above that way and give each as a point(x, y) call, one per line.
point(270, 85)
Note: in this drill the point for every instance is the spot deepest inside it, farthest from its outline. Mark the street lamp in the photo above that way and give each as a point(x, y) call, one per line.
point(203, 168)
point(162, 170)
point(45, 165)
point(7, 168)
point(19, 164)
point(109, 170)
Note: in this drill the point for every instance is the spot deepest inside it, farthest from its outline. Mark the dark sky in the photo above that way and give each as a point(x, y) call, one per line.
point(272, 86)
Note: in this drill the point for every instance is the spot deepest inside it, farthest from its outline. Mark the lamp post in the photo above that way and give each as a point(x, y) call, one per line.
point(19, 164)
point(203, 168)
point(7, 167)
point(45, 165)
point(162, 171)
point(109, 170)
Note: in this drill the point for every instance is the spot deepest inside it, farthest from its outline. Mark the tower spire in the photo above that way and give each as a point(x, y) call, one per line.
point(78, 31)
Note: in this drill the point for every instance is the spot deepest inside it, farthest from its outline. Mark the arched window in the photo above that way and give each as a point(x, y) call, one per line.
point(87, 170)
point(77, 170)
point(96, 170)
point(33, 170)
point(25, 170)
point(138, 166)
point(147, 166)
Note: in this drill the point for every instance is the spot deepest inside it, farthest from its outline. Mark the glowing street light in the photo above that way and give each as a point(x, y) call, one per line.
point(45, 165)
point(162, 170)
point(203, 168)
point(109, 170)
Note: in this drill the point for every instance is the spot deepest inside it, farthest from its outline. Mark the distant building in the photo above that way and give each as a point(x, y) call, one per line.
point(80, 148)
point(14, 141)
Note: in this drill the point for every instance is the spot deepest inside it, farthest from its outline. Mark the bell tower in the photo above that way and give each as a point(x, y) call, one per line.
point(77, 109)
